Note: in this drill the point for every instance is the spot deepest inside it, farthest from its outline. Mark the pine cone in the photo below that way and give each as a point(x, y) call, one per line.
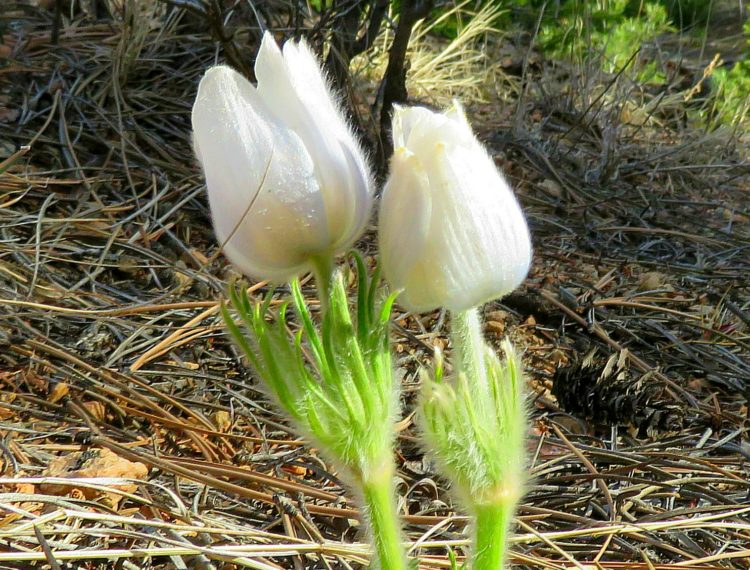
point(607, 391)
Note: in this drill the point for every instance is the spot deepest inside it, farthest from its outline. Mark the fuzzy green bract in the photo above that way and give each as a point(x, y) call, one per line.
point(335, 381)
point(478, 432)
point(475, 425)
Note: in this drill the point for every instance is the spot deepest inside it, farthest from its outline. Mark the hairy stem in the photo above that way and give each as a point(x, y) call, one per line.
point(323, 272)
point(379, 496)
point(468, 344)
point(491, 529)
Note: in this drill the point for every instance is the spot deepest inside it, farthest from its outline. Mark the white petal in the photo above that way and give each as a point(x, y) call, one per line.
point(487, 244)
point(274, 84)
point(475, 245)
point(234, 142)
point(293, 85)
point(310, 85)
point(461, 131)
point(404, 221)
point(340, 166)
point(256, 191)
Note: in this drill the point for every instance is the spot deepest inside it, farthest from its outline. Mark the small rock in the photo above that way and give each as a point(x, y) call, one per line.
point(651, 281)
point(498, 315)
point(496, 327)
point(551, 188)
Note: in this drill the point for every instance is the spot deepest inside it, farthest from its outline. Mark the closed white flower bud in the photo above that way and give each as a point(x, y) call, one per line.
point(287, 180)
point(452, 234)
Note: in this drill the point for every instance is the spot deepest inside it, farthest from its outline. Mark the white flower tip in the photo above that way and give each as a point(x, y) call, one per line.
point(303, 46)
point(220, 81)
point(269, 54)
point(456, 109)
point(218, 74)
point(267, 39)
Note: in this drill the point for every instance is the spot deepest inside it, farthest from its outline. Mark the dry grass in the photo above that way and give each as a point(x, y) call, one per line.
point(109, 336)
point(441, 69)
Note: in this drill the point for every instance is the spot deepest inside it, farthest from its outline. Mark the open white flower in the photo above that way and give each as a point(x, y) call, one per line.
point(452, 234)
point(287, 180)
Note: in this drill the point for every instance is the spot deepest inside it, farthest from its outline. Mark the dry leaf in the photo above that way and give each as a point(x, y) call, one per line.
point(551, 188)
point(8, 115)
point(58, 392)
point(93, 463)
point(7, 398)
point(297, 470)
point(96, 410)
point(28, 506)
point(198, 254)
point(222, 420)
point(37, 382)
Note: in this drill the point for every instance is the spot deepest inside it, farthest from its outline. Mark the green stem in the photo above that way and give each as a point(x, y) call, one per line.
point(491, 529)
point(323, 271)
point(379, 493)
point(468, 346)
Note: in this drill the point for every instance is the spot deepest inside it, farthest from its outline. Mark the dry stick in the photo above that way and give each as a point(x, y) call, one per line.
point(538, 562)
point(289, 529)
point(593, 470)
point(647, 560)
point(604, 548)
point(231, 471)
point(180, 425)
point(111, 377)
point(705, 463)
point(717, 298)
point(741, 554)
point(11, 160)
point(48, 554)
point(675, 233)
point(121, 312)
point(180, 337)
point(551, 544)
point(173, 340)
point(620, 302)
point(171, 467)
point(190, 473)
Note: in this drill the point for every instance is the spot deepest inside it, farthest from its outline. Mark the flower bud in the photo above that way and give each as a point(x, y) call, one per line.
point(287, 180)
point(452, 233)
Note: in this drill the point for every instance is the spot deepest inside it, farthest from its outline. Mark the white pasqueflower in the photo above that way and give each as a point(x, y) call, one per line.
point(287, 180)
point(452, 234)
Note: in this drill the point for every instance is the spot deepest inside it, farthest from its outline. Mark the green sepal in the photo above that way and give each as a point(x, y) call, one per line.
point(363, 297)
point(334, 379)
